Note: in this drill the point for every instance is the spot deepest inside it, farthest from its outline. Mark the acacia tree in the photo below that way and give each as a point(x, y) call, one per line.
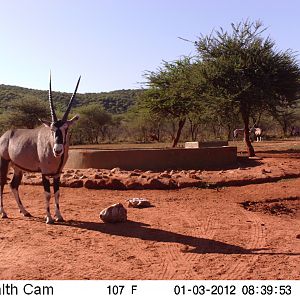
point(25, 113)
point(171, 92)
point(285, 117)
point(92, 125)
point(142, 124)
point(243, 69)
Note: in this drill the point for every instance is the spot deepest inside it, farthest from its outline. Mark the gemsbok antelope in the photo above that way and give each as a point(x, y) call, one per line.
point(237, 132)
point(257, 133)
point(43, 149)
point(295, 131)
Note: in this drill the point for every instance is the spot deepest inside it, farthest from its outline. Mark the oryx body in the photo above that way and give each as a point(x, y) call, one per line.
point(257, 133)
point(43, 149)
point(295, 131)
point(237, 132)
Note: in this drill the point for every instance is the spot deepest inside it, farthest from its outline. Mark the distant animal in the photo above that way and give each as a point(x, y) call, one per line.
point(295, 131)
point(43, 149)
point(154, 137)
point(255, 130)
point(237, 132)
point(257, 133)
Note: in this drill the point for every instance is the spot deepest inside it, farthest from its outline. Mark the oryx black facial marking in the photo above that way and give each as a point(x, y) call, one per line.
point(40, 150)
point(57, 128)
point(59, 135)
point(59, 139)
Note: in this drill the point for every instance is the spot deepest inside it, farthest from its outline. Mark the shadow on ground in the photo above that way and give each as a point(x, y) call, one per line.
point(143, 231)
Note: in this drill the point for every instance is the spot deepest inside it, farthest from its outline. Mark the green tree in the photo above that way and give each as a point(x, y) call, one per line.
point(93, 124)
point(172, 92)
point(25, 113)
point(244, 70)
point(286, 118)
point(142, 125)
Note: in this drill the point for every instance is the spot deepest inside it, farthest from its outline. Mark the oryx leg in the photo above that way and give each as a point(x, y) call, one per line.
point(46, 184)
point(56, 182)
point(14, 185)
point(3, 177)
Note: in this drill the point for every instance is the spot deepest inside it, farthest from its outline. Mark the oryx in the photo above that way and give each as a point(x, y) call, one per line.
point(237, 132)
point(295, 131)
point(43, 149)
point(257, 132)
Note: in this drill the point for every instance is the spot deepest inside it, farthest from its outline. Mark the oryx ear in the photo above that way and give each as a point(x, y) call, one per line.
point(73, 120)
point(46, 123)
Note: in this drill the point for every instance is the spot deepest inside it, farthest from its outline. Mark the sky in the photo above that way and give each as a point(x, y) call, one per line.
point(112, 43)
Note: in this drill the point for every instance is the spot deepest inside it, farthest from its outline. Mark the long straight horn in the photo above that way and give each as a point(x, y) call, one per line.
point(65, 117)
point(53, 114)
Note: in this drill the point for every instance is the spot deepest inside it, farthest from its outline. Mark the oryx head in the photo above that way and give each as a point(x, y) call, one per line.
point(59, 128)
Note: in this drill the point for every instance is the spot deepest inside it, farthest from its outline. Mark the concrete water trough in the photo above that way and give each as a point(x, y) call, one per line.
point(153, 159)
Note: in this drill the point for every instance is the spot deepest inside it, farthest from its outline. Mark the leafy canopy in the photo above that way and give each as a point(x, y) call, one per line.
point(246, 69)
point(171, 89)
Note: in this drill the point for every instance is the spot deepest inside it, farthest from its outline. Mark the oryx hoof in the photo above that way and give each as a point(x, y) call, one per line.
point(4, 215)
point(27, 214)
point(49, 220)
point(59, 219)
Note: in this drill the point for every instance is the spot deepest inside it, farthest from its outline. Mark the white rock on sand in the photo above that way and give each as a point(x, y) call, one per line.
point(138, 203)
point(114, 214)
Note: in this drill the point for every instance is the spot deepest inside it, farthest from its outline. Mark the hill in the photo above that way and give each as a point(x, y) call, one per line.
point(115, 102)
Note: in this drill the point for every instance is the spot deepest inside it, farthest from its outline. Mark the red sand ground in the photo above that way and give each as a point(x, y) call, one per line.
point(236, 232)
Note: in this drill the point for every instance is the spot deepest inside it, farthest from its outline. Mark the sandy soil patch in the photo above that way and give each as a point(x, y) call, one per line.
point(247, 230)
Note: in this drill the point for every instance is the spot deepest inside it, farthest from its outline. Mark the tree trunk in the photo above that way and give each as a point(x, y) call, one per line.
point(229, 130)
point(285, 129)
point(247, 135)
point(193, 128)
point(178, 133)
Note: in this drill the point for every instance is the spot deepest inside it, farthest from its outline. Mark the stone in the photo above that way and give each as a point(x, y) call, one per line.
point(95, 184)
point(98, 176)
point(165, 175)
point(133, 184)
point(155, 184)
point(266, 171)
point(138, 203)
point(133, 174)
point(142, 176)
point(194, 176)
point(115, 184)
point(67, 175)
point(72, 183)
point(28, 176)
point(75, 184)
point(114, 214)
